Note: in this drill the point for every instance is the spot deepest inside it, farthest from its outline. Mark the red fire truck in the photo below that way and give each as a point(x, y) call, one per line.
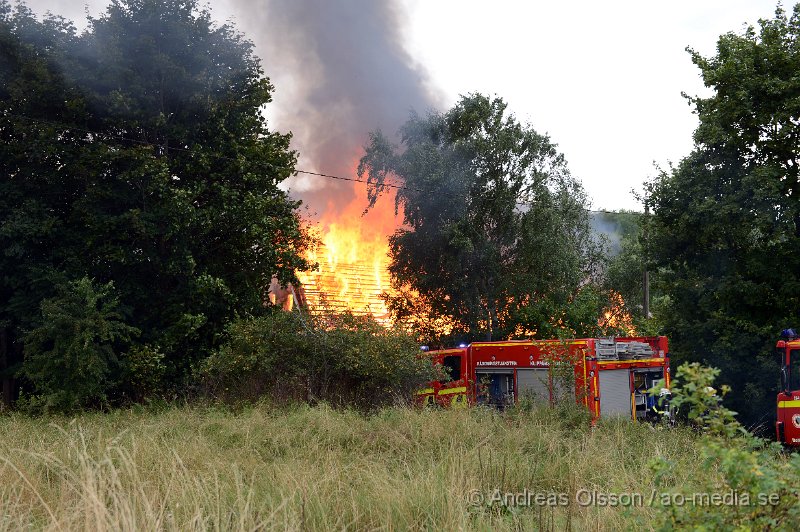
point(787, 427)
point(610, 376)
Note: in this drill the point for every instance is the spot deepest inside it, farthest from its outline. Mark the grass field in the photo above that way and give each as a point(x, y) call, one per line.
point(316, 468)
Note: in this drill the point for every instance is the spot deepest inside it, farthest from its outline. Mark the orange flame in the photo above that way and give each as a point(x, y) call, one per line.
point(353, 259)
point(616, 315)
point(353, 269)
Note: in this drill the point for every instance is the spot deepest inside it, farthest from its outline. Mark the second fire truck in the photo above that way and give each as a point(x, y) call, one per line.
point(787, 427)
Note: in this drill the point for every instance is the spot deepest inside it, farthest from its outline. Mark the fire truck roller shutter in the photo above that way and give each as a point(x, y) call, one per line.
point(533, 383)
point(615, 392)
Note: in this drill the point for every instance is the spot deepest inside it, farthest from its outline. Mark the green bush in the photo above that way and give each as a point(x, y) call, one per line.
point(757, 487)
point(341, 359)
point(694, 396)
point(144, 373)
point(71, 358)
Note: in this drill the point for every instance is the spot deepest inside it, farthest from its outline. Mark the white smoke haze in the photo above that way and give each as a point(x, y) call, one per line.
point(74, 11)
point(611, 229)
point(339, 70)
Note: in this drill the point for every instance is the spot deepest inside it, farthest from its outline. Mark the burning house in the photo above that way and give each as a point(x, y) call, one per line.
point(352, 265)
point(340, 71)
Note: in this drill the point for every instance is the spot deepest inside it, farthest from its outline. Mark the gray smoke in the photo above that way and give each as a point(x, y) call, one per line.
point(340, 71)
point(610, 226)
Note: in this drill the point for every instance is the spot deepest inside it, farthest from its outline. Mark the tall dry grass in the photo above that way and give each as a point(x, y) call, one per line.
point(192, 468)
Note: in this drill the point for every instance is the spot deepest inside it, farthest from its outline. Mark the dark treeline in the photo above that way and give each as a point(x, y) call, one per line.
point(725, 230)
point(139, 208)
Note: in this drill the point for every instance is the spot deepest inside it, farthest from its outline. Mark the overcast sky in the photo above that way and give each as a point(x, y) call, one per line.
point(603, 79)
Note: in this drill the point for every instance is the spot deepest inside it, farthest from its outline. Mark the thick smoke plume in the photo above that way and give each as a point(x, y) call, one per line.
point(340, 71)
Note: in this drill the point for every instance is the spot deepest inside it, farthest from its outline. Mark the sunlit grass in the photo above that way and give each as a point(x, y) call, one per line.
point(318, 468)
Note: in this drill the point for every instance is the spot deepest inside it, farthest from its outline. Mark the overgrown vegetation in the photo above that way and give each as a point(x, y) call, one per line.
point(340, 359)
point(72, 356)
point(757, 486)
point(314, 467)
point(319, 468)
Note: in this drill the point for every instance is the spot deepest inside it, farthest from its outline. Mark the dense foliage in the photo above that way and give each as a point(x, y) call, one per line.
point(136, 153)
point(726, 224)
point(71, 357)
point(340, 359)
point(755, 486)
point(497, 238)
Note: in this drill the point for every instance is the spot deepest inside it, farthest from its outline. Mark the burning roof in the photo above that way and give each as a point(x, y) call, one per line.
point(353, 260)
point(356, 287)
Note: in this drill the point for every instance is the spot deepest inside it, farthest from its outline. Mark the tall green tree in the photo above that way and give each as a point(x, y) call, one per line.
point(726, 224)
point(136, 152)
point(496, 236)
point(72, 355)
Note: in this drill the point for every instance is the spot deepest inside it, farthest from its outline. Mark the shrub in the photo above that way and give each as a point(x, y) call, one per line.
point(341, 359)
point(71, 358)
point(756, 485)
point(144, 372)
point(694, 396)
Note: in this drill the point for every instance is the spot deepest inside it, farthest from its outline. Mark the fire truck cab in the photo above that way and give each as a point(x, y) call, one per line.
point(787, 427)
point(609, 376)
